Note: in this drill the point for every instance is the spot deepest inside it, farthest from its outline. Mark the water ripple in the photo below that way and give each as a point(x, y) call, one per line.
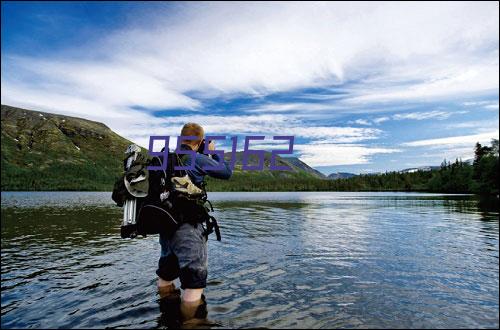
point(287, 260)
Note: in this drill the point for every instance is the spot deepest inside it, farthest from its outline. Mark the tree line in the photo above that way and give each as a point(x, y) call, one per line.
point(480, 177)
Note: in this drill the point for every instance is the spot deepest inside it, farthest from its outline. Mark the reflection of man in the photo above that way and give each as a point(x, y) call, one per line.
point(184, 255)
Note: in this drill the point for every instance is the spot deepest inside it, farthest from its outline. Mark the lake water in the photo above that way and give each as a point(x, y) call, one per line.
point(299, 260)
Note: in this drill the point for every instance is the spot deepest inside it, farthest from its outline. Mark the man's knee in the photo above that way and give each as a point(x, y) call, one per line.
point(189, 245)
point(192, 295)
point(168, 268)
point(193, 278)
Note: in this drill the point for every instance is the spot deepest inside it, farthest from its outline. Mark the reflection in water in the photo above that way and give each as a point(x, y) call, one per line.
point(170, 309)
point(286, 260)
point(177, 314)
point(173, 315)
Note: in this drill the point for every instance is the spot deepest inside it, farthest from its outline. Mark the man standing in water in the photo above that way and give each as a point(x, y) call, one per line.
point(184, 255)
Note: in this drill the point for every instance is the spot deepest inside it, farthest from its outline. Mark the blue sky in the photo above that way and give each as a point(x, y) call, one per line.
point(363, 87)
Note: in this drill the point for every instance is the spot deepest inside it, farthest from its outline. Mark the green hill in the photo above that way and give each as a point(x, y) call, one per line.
point(44, 151)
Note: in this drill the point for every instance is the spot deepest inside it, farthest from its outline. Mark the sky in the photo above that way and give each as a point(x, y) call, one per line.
point(363, 87)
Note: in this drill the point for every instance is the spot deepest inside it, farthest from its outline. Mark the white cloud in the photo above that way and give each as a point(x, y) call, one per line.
point(112, 85)
point(491, 106)
point(455, 81)
point(436, 155)
point(291, 106)
point(268, 125)
point(488, 104)
point(372, 52)
point(338, 154)
point(479, 126)
point(362, 122)
point(440, 115)
point(475, 103)
point(455, 140)
point(381, 119)
point(218, 49)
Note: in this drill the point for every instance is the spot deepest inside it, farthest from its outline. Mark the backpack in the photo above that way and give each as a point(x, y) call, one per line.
point(178, 201)
point(137, 186)
point(155, 214)
point(171, 200)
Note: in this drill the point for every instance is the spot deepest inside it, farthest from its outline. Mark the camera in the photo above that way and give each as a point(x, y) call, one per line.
point(203, 147)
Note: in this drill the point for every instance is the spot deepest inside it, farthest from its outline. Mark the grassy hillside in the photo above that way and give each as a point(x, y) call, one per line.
point(43, 151)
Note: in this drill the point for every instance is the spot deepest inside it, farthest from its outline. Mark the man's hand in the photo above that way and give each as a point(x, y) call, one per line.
point(211, 145)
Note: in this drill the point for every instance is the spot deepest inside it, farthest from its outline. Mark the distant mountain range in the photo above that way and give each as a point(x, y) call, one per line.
point(411, 170)
point(341, 175)
point(303, 166)
point(421, 168)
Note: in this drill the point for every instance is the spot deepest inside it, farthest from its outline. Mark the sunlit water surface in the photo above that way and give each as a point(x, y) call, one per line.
point(286, 260)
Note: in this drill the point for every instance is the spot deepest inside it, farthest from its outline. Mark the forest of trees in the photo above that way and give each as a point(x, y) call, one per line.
point(480, 177)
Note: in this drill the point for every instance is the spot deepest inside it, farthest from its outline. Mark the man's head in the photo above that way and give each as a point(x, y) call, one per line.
point(193, 129)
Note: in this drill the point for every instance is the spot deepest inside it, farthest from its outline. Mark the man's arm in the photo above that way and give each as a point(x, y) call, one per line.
point(223, 172)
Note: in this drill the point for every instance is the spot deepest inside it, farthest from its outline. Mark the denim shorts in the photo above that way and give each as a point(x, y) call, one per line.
point(184, 255)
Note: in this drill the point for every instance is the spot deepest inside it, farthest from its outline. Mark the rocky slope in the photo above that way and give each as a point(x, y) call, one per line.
point(44, 151)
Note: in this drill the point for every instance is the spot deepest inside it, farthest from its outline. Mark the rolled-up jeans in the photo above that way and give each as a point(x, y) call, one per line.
point(184, 255)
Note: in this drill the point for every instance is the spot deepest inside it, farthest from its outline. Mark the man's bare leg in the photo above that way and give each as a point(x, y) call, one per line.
point(192, 295)
point(162, 283)
point(170, 303)
point(191, 302)
point(166, 288)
